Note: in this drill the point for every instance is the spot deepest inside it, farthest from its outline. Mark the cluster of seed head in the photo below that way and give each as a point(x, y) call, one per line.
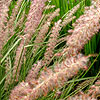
point(55, 33)
point(20, 52)
point(6, 27)
point(39, 38)
point(10, 30)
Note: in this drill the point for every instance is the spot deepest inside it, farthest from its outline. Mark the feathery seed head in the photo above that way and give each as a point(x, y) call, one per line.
point(51, 80)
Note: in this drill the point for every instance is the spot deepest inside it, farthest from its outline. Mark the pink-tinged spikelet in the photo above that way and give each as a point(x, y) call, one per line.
point(33, 74)
point(34, 16)
point(69, 17)
point(94, 90)
point(10, 24)
point(4, 8)
point(44, 29)
point(92, 94)
point(52, 42)
point(19, 91)
point(50, 80)
point(72, 11)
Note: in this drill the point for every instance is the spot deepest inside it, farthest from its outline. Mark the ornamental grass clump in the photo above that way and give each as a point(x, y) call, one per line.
point(41, 83)
point(30, 61)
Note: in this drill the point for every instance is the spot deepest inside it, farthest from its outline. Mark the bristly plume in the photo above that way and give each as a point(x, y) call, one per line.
point(52, 80)
point(4, 8)
point(52, 42)
point(94, 90)
point(33, 74)
point(69, 16)
point(10, 24)
point(72, 11)
point(85, 27)
point(81, 96)
point(44, 29)
point(22, 89)
point(34, 16)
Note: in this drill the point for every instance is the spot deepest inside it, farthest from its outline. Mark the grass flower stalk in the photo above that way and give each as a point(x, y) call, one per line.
point(11, 24)
point(4, 8)
point(52, 42)
point(34, 16)
point(44, 28)
point(54, 80)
